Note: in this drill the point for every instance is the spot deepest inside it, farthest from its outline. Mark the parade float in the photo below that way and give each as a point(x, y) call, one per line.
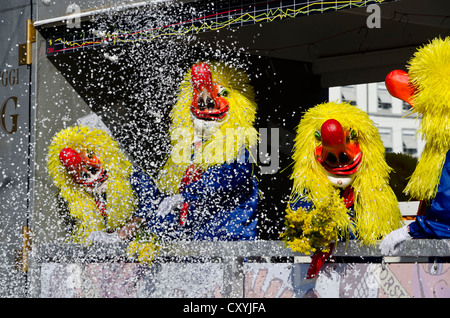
point(118, 68)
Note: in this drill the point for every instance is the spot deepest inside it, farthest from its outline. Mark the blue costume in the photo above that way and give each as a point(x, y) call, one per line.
point(223, 204)
point(435, 223)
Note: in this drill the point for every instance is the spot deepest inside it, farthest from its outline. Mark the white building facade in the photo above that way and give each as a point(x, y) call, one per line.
point(397, 126)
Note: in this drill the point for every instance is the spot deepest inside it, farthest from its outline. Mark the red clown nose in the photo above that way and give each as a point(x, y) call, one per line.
point(332, 133)
point(201, 76)
point(70, 158)
point(398, 84)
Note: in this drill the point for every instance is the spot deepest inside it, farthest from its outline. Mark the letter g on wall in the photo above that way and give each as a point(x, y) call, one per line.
point(14, 117)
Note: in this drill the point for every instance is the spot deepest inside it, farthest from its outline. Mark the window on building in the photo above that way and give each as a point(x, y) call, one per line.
point(384, 101)
point(406, 107)
point(348, 94)
point(384, 98)
point(383, 106)
point(409, 141)
point(386, 138)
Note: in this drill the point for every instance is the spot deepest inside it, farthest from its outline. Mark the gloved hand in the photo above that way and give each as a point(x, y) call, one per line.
point(394, 238)
point(103, 237)
point(168, 204)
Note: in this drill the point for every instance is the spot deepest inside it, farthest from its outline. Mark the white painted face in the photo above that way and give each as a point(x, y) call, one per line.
point(340, 181)
point(204, 129)
point(98, 188)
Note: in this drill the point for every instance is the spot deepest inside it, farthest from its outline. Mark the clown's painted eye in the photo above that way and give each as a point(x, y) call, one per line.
point(223, 92)
point(317, 135)
point(85, 175)
point(92, 170)
point(352, 135)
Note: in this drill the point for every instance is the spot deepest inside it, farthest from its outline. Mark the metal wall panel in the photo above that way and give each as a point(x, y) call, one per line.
point(15, 121)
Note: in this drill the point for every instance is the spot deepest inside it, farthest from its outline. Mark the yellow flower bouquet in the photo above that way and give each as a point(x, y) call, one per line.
point(312, 230)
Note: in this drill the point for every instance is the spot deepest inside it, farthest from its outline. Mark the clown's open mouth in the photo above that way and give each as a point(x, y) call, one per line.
point(347, 169)
point(210, 114)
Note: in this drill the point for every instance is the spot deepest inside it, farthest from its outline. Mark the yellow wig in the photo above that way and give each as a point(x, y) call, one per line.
point(375, 204)
point(236, 131)
point(121, 201)
point(429, 71)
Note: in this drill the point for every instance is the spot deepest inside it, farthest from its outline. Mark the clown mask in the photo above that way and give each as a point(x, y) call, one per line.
point(339, 153)
point(85, 169)
point(209, 106)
